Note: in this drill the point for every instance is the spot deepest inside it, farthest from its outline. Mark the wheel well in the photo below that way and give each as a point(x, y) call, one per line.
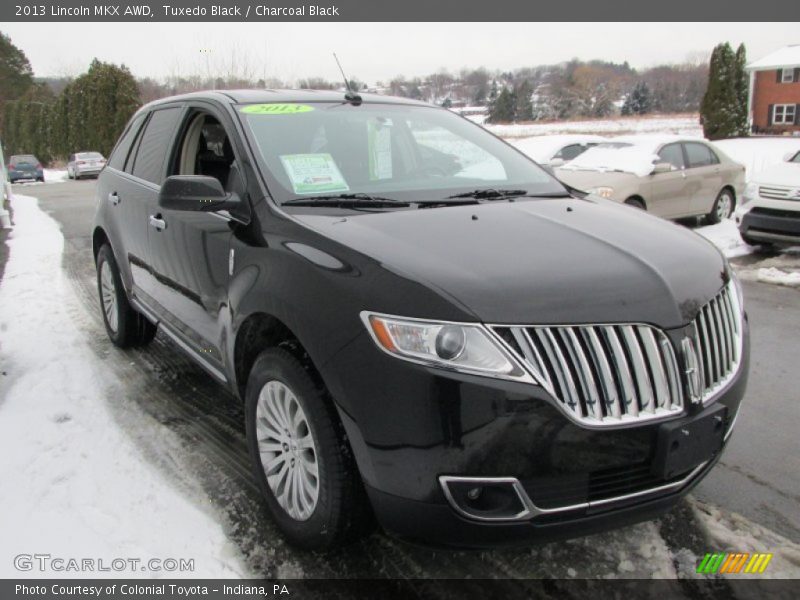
point(731, 190)
point(259, 332)
point(637, 198)
point(99, 238)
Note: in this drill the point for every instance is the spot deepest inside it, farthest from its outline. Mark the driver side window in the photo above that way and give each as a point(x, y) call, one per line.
point(672, 154)
point(205, 149)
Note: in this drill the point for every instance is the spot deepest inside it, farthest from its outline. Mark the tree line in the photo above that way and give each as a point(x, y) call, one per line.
point(89, 113)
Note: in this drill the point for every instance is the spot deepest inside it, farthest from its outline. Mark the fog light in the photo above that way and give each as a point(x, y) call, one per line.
point(474, 493)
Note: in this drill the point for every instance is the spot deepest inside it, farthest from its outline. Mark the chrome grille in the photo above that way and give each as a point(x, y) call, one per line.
point(777, 193)
point(718, 331)
point(603, 375)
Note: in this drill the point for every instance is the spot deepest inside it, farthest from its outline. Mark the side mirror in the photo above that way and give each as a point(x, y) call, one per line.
point(549, 169)
point(557, 162)
point(198, 193)
point(662, 167)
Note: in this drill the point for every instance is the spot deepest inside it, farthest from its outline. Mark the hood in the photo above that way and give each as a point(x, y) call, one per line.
point(784, 174)
point(545, 261)
point(585, 180)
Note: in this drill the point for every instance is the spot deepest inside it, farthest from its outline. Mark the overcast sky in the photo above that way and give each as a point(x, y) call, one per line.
point(374, 51)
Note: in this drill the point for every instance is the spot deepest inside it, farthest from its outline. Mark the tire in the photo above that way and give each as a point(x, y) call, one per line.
point(723, 207)
point(41, 179)
point(69, 174)
point(124, 325)
point(636, 203)
point(333, 509)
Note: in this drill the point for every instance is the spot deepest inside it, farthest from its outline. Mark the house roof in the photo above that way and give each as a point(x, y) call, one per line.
point(786, 57)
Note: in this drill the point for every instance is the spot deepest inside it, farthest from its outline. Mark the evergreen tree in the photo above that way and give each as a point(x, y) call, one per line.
point(16, 75)
point(639, 101)
point(742, 84)
point(523, 109)
point(503, 109)
point(720, 110)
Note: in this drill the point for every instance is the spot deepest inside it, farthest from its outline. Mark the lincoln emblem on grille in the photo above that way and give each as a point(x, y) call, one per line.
point(693, 375)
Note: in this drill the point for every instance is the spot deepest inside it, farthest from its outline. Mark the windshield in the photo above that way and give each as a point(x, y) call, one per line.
point(408, 153)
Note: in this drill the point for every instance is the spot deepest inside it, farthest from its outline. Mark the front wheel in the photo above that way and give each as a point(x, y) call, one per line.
point(301, 460)
point(124, 325)
point(723, 207)
point(635, 203)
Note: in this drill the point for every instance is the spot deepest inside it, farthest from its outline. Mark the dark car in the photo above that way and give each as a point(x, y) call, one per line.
point(422, 323)
point(24, 166)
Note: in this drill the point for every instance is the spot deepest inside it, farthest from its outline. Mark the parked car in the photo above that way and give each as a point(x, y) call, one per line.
point(670, 176)
point(24, 166)
point(556, 150)
point(476, 355)
point(770, 209)
point(83, 164)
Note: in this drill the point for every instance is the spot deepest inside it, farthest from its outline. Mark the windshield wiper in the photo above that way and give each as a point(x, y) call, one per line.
point(347, 200)
point(490, 194)
point(493, 194)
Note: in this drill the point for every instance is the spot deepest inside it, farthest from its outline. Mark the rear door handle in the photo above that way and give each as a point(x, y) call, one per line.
point(157, 222)
point(113, 198)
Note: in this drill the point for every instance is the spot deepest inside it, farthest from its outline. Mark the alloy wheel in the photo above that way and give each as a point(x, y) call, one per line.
point(108, 293)
point(724, 205)
point(287, 450)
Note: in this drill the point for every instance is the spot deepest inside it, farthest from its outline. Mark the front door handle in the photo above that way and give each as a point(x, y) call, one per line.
point(157, 222)
point(113, 198)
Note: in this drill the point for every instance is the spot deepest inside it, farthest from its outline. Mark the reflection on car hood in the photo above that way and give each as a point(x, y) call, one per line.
point(543, 261)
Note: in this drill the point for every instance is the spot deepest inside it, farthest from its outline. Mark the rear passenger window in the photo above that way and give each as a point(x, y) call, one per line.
point(120, 153)
point(700, 155)
point(149, 161)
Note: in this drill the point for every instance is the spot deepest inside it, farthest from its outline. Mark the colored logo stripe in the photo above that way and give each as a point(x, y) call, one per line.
point(734, 562)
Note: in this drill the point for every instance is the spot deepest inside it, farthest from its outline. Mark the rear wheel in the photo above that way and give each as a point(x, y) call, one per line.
point(636, 203)
point(124, 325)
point(723, 207)
point(301, 460)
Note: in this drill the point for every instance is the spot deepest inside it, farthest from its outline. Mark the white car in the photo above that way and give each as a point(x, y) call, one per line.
point(556, 150)
point(770, 211)
point(85, 164)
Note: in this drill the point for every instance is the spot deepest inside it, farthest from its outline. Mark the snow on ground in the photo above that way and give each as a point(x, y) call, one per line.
point(731, 532)
point(76, 485)
point(685, 124)
point(778, 277)
point(725, 236)
point(759, 153)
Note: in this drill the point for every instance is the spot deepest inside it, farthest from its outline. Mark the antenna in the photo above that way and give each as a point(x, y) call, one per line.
point(350, 95)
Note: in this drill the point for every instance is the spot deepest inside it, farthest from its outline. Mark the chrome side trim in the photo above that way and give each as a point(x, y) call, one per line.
point(532, 511)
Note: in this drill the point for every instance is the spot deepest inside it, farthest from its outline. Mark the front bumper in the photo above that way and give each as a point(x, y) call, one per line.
point(777, 226)
point(410, 425)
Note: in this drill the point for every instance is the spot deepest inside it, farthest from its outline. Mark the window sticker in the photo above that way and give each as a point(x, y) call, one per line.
point(313, 173)
point(379, 135)
point(276, 109)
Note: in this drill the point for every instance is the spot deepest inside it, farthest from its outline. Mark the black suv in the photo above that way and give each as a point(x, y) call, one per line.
point(423, 324)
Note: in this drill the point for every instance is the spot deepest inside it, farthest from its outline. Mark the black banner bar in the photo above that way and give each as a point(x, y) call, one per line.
point(391, 10)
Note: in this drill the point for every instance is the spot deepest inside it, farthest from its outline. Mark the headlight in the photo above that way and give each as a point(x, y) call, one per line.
point(603, 192)
point(750, 193)
point(464, 347)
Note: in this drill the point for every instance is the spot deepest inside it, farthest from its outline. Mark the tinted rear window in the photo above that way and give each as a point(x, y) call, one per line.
point(120, 153)
point(700, 155)
point(149, 162)
point(88, 155)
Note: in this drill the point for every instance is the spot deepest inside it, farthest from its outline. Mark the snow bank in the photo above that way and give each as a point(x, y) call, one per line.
point(731, 532)
point(725, 236)
point(74, 484)
point(758, 153)
point(778, 277)
point(685, 125)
